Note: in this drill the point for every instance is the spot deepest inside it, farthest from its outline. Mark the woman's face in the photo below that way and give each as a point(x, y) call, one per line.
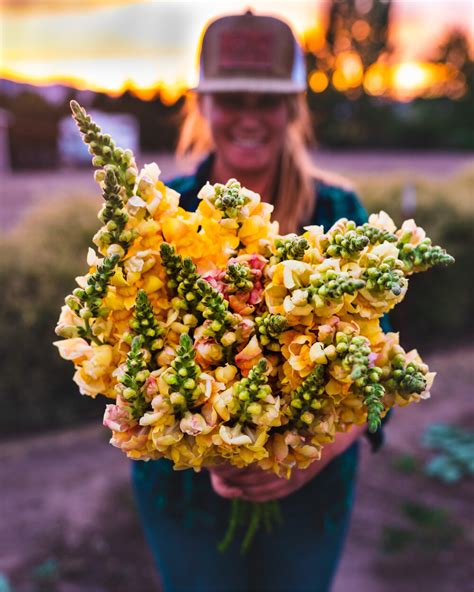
point(248, 128)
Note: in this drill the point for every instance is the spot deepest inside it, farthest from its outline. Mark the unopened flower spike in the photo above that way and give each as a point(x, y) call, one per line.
point(87, 302)
point(385, 275)
point(422, 256)
point(250, 391)
point(182, 278)
point(354, 352)
point(344, 241)
point(103, 148)
point(405, 378)
point(215, 308)
point(238, 278)
point(132, 382)
point(269, 328)
point(374, 404)
point(112, 214)
point(290, 248)
point(306, 399)
point(229, 198)
point(375, 235)
point(183, 375)
point(145, 324)
point(332, 285)
point(173, 264)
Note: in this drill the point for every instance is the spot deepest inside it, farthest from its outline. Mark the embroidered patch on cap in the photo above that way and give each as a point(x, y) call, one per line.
point(246, 49)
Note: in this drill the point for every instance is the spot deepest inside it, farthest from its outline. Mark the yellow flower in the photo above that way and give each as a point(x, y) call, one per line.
point(75, 349)
point(164, 436)
point(302, 351)
point(411, 233)
point(382, 221)
point(181, 231)
point(242, 445)
point(194, 424)
point(256, 231)
point(94, 374)
point(68, 323)
point(233, 436)
point(225, 404)
point(161, 409)
point(135, 443)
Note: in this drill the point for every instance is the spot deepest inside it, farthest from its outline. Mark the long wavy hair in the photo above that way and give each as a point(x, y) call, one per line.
point(295, 194)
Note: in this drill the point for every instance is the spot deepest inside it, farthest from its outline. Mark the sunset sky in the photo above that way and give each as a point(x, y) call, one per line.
point(104, 45)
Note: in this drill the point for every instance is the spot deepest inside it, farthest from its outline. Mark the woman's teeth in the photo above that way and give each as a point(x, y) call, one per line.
point(248, 142)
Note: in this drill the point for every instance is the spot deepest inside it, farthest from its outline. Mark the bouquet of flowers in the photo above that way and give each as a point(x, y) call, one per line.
point(219, 340)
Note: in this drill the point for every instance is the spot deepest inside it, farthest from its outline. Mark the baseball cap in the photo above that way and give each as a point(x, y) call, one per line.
point(250, 53)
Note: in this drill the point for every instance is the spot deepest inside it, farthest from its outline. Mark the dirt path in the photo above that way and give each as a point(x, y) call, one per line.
point(69, 525)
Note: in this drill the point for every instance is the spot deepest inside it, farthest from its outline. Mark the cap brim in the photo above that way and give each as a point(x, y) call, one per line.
point(262, 85)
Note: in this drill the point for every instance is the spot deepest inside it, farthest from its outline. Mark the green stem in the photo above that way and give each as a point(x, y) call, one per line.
point(255, 517)
point(275, 510)
point(267, 516)
point(232, 527)
point(91, 335)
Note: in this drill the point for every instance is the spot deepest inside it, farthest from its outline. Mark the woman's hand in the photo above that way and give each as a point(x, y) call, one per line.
point(254, 485)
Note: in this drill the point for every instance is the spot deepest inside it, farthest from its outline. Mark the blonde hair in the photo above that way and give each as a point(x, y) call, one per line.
point(295, 196)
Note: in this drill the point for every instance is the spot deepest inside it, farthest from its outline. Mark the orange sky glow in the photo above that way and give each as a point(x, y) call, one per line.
point(148, 45)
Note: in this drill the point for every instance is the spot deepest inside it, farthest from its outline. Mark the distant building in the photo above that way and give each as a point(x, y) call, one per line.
point(123, 128)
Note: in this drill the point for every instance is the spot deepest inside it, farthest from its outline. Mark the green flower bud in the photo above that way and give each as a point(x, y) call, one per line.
point(254, 409)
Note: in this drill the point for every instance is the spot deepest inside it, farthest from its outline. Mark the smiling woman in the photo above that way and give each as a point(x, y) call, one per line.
point(251, 133)
point(248, 119)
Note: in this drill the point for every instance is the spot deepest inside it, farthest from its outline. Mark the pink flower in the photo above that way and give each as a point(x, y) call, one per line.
point(151, 387)
point(118, 418)
point(215, 278)
point(249, 356)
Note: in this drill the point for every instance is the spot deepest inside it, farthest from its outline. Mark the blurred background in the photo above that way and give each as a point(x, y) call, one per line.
point(390, 88)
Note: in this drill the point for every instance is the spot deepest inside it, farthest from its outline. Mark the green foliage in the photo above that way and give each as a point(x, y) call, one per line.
point(406, 463)
point(38, 263)
point(438, 307)
point(429, 529)
point(455, 446)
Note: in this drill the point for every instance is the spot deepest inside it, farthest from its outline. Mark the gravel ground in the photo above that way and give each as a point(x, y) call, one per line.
point(69, 524)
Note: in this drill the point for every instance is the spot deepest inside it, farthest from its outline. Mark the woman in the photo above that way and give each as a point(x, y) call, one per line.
point(250, 117)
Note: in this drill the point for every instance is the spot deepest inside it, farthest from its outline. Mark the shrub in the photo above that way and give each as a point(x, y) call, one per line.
point(38, 263)
point(438, 308)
